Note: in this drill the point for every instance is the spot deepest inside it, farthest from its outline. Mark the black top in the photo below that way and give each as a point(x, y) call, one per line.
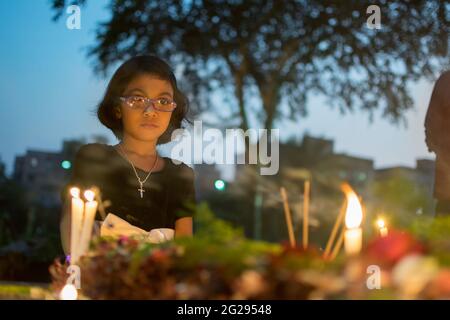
point(169, 193)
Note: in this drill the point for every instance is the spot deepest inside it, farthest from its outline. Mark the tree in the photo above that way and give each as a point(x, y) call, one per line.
point(280, 51)
point(13, 211)
point(401, 198)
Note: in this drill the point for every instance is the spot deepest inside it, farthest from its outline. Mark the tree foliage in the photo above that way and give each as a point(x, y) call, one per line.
point(266, 57)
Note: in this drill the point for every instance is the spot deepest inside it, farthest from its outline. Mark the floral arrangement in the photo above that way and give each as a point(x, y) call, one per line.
point(219, 263)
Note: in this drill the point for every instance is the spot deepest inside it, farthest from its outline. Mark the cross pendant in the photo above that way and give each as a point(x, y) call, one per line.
point(141, 191)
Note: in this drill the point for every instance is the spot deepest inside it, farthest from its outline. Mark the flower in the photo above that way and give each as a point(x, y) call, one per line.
point(439, 287)
point(123, 239)
point(413, 273)
point(389, 250)
point(249, 284)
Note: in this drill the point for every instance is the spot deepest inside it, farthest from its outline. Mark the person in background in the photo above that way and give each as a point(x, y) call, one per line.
point(437, 138)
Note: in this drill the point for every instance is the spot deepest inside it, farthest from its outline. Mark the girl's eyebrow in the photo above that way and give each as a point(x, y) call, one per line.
point(136, 90)
point(164, 93)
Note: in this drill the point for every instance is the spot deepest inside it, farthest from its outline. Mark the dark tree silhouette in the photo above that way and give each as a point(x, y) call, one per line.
point(276, 53)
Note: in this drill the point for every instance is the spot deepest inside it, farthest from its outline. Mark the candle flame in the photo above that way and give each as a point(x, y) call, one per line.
point(354, 213)
point(75, 192)
point(380, 223)
point(69, 292)
point(89, 195)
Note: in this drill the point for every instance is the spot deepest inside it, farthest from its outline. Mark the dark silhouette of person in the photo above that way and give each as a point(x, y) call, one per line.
point(437, 138)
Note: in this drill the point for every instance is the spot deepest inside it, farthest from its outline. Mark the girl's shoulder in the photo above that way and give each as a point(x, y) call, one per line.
point(88, 167)
point(181, 181)
point(179, 170)
point(92, 154)
point(94, 151)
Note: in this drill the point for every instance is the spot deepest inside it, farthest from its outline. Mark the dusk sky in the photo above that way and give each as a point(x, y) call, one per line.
point(48, 90)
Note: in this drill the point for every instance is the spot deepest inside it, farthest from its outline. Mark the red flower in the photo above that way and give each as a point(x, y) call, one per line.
point(440, 286)
point(311, 251)
point(390, 249)
point(123, 239)
point(159, 255)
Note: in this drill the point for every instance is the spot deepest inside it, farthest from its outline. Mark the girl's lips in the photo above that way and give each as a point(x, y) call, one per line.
point(149, 125)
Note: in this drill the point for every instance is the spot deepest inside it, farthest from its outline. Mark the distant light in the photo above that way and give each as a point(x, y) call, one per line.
point(219, 185)
point(380, 223)
point(69, 292)
point(66, 164)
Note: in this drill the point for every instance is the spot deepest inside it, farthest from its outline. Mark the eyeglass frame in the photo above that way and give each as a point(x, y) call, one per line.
point(149, 102)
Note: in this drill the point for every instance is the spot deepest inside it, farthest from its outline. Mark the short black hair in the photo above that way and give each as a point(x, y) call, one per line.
point(129, 70)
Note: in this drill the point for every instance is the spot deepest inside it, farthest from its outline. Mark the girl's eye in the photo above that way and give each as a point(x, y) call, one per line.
point(137, 102)
point(137, 99)
point(164, 101)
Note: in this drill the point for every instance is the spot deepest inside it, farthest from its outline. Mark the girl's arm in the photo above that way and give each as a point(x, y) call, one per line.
point(183, 227)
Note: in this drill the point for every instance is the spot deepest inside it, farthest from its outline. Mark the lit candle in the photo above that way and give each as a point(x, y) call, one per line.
point(75, 226)
point(382, 227)
point(69, 292)
point(353, 219)
point(90, 208)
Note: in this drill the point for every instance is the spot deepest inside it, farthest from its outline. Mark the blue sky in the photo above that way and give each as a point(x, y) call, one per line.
point(48, 90)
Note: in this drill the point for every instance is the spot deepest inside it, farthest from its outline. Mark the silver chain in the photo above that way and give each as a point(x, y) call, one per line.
point(141, 183)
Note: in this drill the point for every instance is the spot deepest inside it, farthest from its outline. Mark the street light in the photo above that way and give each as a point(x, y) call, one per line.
point(219, 185)
point(66, 164)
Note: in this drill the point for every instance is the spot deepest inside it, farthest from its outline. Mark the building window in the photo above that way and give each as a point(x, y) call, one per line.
point(343, 174)
point(362, 176)
point(34, 162)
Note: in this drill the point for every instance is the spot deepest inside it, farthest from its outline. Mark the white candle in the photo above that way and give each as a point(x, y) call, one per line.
point(90, 208)
point(69, 292)
point(353, 241)
point(75, 225)
point(353, 219)
point(382, 228)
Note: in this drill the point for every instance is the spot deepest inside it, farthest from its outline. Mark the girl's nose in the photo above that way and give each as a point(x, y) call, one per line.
point(150, 112)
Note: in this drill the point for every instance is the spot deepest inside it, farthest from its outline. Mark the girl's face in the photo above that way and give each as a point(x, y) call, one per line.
point(148, 124)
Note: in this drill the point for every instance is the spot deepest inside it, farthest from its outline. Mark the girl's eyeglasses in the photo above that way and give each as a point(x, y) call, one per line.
point(142, 103)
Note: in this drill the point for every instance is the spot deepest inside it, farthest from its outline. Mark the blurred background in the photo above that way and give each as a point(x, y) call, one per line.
point(347, 90)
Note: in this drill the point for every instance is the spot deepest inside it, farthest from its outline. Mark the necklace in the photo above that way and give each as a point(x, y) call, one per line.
point(141, 182)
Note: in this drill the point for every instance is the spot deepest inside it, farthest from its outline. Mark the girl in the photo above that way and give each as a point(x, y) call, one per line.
point(142, 106)
point(437, 132)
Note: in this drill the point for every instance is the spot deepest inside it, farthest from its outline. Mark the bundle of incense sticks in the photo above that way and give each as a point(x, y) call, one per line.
point(287, 215)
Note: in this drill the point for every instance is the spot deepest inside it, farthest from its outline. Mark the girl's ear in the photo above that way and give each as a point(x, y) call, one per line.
point(117, 113)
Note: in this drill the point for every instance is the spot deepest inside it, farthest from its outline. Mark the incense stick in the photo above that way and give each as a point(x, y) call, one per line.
point(287, 215)
point(338, 246)
point(338, 222)
point(306, 214)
